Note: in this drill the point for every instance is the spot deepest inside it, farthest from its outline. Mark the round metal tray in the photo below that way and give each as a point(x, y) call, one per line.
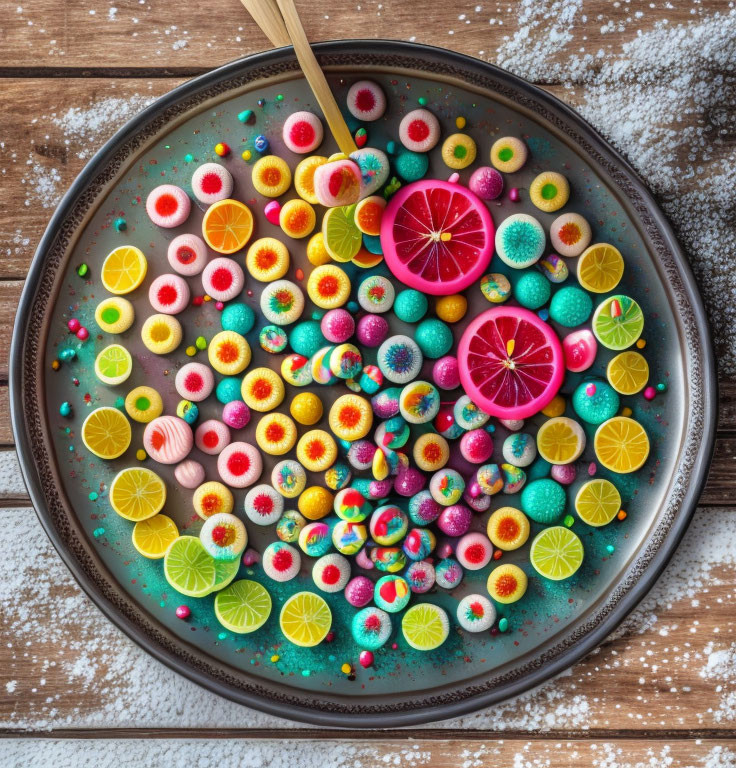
point(411, 688)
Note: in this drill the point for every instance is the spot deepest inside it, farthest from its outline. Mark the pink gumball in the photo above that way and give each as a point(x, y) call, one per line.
point(580, 348)
point(486, 182)
point(455, 520)
point(409, 482)
point(189, 474)
point(446, 373)
point(359, 591)
point(564, 473)
point(337, 325)
point(476, 446)
point(236, 414)
point(372, 330)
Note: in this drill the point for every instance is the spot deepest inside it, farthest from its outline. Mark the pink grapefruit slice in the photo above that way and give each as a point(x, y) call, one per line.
point(437, 237)
point(511, 362)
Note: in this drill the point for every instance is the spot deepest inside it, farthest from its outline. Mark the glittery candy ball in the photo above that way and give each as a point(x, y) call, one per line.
point(448, 573)
point(486, 182)
point(386, 403)
point(410, 306)
point(423, 509)
point(360, 455)
point(564, 473)
point(236, 414)
point(476, 446)
point(400, 359)
point(514, 478)
point(337, 325)
point(595, 401)
point(434, 338)
point(289, 526)
point(372, 330)
point(455, 520)
point(490, 479)
point(359, 591)
point(419, 402)
point(376, 294)
point(420, 577)
point(543, 501)
point(446, 372)
point(409, 481)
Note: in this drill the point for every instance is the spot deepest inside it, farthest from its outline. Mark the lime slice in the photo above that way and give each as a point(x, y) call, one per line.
point(628, 373)
point(597, 502)
point(188, 567)
point(556, 553)
point(425, 626)
point(113, 365)
point(342, 238)
point(305, 619)
point(600, 268)
point(243, 606)
point(225, 572)
point(154, 536)
point(618, 322)
point(137, 493)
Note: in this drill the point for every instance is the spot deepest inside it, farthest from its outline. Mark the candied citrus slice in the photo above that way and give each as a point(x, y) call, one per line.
point(225, 572)
point(189, 568)
point(243, 607)
point(621, 444)
point(618, 322)
point(368, 214)
point(597, 502)
point(556, 553)
point(342, 238)
point(137, 493)
point(106, 433)
point(425, 626)
point(154, 536)
point(113, 365)
point(227, 226)
point(124, 269)
point(560, 440)
point(305, 619)
point(628, 373)
point(600, 268)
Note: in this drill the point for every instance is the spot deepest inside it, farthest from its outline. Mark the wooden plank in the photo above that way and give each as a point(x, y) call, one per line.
point(520, 753)
point(157, 34)
point(668, 669)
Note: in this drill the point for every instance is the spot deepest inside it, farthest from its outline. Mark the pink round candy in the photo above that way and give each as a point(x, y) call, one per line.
point(372, 330)
point(409, 481)
point(168, 439)
point(250, 557)
point(366, 659)
point(189, 474)
point(272, 212)
point(359, 591)
point(239, 465)
point(337, 183)
point(363, 560)
point(476, 446)
point(419, 130)
point(183, 612)
point(337, 325)
point(223, 279)
point(195, 382)
point(474, 551)
point(236, 414)
point(455, 520)
point(187, 255)
point(514, 195)
point(169, 294)
point(73, 325)
point(168, 206)
point(579, 348)
point(650, 393)
point(366, 100)
point(82, 333)
point(211, 183)
point(477, 503)
point(486, 182)
point(446, 373)
point(211, 437)
point(303, 132)
point(564, 473)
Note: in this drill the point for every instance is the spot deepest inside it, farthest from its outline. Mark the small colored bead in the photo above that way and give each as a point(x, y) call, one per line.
point(73, 325)
point(503, 625)
point(82, 334)
point(65, 409)
point(120, 225)
point(191, 351)
point(514, 195)
point(261, 143)
point(183, 612)
point(141, 455)
point(650, 393)
point(661, 387)
point(366, 659)
point(222, 149)
point(82, 270)
point(246, 155)
point(246, 116)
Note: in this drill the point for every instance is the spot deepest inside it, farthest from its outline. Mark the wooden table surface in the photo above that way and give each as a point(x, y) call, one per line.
point(662, 689)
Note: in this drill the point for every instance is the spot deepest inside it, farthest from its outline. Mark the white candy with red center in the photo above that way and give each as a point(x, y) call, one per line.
point(331, 573)
point(168, 206)
point(281, 561)
point(239, 465)
point(474, 551)
point(195, 382)
point(366, 100)
point(303, 132)
point(187, 255)
point(211, 182)
point(211, 437)
point(169, 294)
point(223, 279)
point(264, 505)
point(419, 130)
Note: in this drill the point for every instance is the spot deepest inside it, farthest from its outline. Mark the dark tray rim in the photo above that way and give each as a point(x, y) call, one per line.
point(28, 432)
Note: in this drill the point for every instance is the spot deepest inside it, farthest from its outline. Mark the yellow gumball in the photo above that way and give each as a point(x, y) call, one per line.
point(306, 408)
point(556, 407)
point(315, 502)
point(316, 251)
point(451, 309)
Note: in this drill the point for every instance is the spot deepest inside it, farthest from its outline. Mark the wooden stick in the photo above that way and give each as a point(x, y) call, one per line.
point(266, 15)
point(316, 78)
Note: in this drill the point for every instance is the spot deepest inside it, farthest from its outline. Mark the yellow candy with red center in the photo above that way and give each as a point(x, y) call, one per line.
point(229, 353)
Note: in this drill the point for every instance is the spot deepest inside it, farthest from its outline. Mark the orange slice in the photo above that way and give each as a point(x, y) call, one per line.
point(227, 226)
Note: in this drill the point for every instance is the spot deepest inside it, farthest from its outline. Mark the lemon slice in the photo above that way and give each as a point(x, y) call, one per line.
point(113, 365)
point(106, 433)
point(597, 502)
point(243, 606)
point(560, 440)
point(621, 444)
point(188, 567)
point(124, 269)
point(556, 553)
point(342, 238)
point(425, 626)
point(137, 493)
point(305, 619)
point(600, 268)
point(628, 373)
point(618, 322)
point(154, 536)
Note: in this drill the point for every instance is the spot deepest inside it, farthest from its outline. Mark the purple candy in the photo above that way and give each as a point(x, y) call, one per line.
point(409, 481)
point(361, 454)
point(337, 325)
point(455, 520)
point(236, 414)
point(363, 560)
point(372, 330)
point(379, 489)
point(423, 509)
point(564, 473)
point(446, 373)
point(386, 404)
point(486, 182)
point(359, 591)
point(445, 550)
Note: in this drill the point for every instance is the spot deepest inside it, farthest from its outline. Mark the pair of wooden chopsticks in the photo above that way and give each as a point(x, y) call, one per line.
point(280, 22)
